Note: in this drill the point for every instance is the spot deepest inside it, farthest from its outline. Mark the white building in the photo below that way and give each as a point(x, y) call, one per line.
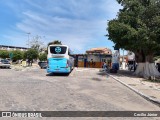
point(6, 47)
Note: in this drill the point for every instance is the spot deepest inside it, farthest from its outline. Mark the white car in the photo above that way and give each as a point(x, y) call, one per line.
point(4, 63)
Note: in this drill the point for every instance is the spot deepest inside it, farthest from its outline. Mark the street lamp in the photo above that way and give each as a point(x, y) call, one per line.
point(28, 38)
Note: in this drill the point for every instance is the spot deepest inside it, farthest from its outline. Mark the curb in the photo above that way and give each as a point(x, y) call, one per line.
point(136, 91)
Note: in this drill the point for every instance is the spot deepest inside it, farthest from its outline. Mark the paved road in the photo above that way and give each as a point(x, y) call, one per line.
point(82, 90)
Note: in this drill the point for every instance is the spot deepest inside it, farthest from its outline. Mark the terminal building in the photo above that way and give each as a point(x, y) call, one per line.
point(6, 47)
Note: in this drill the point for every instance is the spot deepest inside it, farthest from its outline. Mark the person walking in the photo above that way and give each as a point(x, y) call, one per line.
point(105, 67)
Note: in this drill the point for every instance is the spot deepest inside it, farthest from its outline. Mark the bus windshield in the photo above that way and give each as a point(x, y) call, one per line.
point(58, 49)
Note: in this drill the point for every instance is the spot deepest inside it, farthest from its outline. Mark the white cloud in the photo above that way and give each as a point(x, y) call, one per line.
point(70, 31)
point(76, 23)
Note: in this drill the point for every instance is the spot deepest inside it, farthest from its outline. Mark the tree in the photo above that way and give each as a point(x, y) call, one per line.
point(55, 42)
point(30, 55)
point(17, 55)
point(4, 54)
point(43, 57)
point(37, 44)
point(58, 42)
point(137, 29)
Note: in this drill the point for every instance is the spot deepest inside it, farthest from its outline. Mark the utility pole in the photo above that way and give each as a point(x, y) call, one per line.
point(28, 38)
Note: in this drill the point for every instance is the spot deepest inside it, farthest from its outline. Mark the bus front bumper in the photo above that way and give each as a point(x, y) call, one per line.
point(60, 70)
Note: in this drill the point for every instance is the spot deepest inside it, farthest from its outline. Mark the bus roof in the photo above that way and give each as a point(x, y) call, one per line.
point(58, 45)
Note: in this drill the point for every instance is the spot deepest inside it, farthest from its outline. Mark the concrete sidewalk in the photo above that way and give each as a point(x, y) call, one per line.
point(148, 90)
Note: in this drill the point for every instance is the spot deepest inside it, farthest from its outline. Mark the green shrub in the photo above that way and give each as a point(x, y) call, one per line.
point(43, 57)
point(4, 54)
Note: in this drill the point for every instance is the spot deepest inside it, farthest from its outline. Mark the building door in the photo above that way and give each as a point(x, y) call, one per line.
point(76, 61)
point(85, 62)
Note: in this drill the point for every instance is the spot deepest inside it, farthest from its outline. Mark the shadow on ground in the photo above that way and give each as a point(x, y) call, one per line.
point(118, 74)
point(102, 73)
point(96, 79)
point(5, 68)
point(57, 74)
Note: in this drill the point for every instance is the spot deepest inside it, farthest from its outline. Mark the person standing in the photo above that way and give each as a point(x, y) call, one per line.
point(158, 66)
point(92, 62)
point(104, 65)
point(88, 63)
point(115, 60)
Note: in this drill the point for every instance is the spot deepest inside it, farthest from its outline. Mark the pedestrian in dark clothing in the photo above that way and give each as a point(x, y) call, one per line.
point(88, 63)
point(158, 66)
point(92, 62)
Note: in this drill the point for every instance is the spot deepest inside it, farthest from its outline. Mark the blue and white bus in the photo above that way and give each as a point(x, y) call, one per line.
point(59, 59)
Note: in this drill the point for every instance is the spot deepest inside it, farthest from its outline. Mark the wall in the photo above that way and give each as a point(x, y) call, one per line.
point(97, 61)
point(93, 57)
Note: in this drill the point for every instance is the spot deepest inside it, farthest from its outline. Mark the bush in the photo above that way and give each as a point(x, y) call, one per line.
point(17, 55)
point(30, 54)
point(4, 54)
point(43, 57)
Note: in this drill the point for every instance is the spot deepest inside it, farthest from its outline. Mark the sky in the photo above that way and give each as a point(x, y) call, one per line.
point(80, 24)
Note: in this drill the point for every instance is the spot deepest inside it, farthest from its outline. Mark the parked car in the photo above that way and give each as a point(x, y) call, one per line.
point(42, 64)
point(4, 63)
